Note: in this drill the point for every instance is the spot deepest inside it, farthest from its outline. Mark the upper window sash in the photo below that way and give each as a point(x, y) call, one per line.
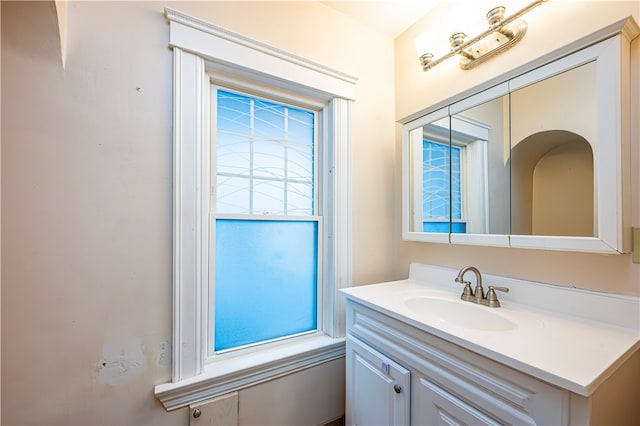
point(238, 138)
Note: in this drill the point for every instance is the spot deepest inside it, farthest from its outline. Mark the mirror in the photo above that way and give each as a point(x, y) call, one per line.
point(481, 135)
point(553, 135)
point(530, 162)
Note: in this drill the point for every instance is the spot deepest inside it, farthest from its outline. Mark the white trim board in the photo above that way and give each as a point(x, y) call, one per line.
point(227, 48)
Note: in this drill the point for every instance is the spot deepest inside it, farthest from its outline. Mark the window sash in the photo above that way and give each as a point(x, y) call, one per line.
point(248, 132)
point(255, 146)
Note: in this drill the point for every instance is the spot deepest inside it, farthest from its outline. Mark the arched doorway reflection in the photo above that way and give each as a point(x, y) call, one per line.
point(552, 190)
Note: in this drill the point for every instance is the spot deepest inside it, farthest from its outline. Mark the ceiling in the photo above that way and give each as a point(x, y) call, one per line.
point(392, 17)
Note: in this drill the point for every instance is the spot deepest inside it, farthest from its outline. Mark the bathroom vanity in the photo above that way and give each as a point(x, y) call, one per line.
point(536, 158)
point(417, 354)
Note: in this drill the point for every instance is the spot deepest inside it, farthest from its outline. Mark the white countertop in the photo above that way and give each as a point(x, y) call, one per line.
point(553, 344)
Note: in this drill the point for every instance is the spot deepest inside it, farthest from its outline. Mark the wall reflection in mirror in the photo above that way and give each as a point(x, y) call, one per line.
point(553, 127)
point(521, 163)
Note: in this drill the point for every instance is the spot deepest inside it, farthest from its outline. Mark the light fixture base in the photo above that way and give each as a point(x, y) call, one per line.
point(425, 60)
point(495, 15)
point(457, 39)
point(494, 44)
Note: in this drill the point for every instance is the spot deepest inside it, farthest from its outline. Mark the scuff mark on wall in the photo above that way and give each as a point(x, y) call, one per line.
point(122, 358)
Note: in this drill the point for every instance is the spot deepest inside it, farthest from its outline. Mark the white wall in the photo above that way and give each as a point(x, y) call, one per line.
point(552, 25)
point(86, 204)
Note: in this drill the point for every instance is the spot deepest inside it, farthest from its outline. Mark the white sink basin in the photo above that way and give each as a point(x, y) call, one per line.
point(460, 313)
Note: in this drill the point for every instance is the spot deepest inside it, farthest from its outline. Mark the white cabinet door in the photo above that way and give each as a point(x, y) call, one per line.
point(377, 388)
point(441, 408)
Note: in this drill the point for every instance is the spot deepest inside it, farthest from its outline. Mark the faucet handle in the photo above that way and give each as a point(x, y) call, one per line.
point(467, 292)
point(492, 298)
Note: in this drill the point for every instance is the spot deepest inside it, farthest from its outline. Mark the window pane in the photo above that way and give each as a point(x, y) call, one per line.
point(299, 199)
point(435, 227)
point(268, 197)
point(265, 280)
point(301, 126)
point(233, 195)
point(300, 163)
point(269, 120)
point(268, 159)
point(459, 227)
point(436, 181)
point(234, 112)
point(233, 154)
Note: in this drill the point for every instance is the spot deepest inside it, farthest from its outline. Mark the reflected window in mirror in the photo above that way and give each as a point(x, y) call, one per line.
point(431, 178)
point(442, 188)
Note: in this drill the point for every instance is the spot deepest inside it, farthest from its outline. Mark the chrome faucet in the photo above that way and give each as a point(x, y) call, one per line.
point(477, 295)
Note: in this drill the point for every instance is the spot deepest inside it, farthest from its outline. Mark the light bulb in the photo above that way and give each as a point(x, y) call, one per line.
point(425, 43)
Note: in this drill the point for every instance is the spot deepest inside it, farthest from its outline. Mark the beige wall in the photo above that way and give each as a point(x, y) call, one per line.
point(86, 207)
point(570, 108)
point(562, 200)
point(416, 90)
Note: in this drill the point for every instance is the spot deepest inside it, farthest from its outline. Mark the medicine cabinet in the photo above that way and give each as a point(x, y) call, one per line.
point(540, 159)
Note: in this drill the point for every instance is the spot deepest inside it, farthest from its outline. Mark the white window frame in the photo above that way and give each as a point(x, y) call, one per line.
point(200, 48)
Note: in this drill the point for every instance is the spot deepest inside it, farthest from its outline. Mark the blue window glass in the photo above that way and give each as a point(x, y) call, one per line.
point(265, 157)
point(266, 265)
point(436, 183)
point(269, 120)
point(234, 114)
point(458, 227)
point(435, 226)
point(265, 280)
point(442, 196)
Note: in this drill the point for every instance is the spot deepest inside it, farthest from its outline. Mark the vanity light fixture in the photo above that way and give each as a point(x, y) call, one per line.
point(500, 36)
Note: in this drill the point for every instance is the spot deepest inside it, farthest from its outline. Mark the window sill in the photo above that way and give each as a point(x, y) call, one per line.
point(232, 374)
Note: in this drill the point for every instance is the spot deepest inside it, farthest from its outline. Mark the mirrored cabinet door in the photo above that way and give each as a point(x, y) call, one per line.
point(570, 144)
point(480, 136)
point(554, 137)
